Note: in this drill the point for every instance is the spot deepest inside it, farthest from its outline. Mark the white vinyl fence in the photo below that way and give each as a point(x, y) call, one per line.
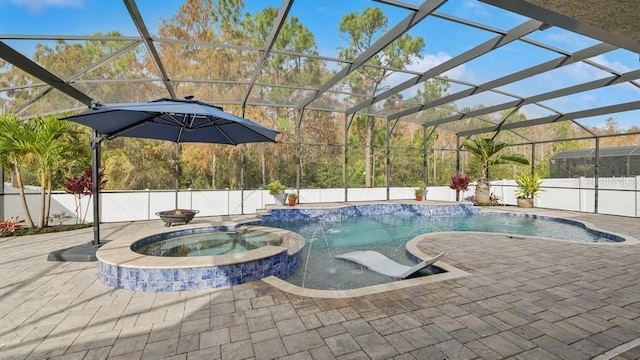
point(616, 196)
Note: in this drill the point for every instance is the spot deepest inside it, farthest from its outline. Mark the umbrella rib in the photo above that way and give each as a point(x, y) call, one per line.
point(171, 119)
point(226, 136)
point(179, 135)
point(214, 124)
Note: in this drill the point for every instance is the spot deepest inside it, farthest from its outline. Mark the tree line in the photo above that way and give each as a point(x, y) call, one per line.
point(315, 142)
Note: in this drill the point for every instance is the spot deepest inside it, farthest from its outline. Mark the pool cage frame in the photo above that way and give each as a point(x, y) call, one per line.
point(540, 19)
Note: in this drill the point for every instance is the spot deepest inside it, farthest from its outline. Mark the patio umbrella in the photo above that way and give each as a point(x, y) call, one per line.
point(174, 120)
point(179, 121)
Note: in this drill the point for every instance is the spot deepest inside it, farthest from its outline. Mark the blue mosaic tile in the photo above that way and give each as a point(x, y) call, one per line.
point(249, 267)
point(219, 271)
point(194, 274)
point(129, 274)
point(137, 279)
point(208, 273)
point(337, 214)
point(160, 286)
point(181, 274)
point(221, 281)
point(179, 286)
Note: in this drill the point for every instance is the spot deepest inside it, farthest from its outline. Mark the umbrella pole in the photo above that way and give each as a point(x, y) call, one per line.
point(242, 181)
point(1, 192)
point(177, 160)
point(95, 147)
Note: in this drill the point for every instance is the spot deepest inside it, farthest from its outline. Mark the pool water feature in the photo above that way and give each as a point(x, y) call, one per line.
point(388, 231)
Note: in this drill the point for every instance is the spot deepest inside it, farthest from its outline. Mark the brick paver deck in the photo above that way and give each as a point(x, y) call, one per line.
point(524, 299)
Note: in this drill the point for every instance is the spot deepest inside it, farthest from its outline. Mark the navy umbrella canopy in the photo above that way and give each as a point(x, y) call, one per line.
point(173, 120)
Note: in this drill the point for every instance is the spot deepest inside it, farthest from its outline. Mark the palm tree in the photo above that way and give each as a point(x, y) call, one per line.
point(54, 147)
point(487, 152)
point(48, 143)
point(14, 152)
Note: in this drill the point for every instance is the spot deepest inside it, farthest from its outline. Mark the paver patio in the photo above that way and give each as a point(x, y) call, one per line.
point(524, 299)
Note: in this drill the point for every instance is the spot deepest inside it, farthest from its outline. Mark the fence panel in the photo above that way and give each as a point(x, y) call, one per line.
point(617, 196)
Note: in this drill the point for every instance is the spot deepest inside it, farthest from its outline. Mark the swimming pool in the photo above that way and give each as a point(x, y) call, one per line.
point(385, 227)
point(388, 233)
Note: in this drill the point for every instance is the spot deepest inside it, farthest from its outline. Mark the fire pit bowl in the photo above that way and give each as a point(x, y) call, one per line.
point(177, 216)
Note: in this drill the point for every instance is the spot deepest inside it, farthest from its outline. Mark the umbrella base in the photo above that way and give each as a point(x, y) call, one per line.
point(80, 253)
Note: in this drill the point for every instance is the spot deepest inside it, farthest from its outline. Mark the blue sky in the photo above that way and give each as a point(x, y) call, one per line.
point(443, 40)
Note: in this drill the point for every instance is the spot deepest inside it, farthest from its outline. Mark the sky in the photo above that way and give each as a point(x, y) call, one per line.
point(443, 40)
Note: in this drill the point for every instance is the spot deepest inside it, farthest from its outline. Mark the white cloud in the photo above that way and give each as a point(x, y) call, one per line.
point(533, 111)
point(615, 65)
point(431, 60)
point(421, 65)
point(41, 5)
point(566, 38)
point(582, 72)
point(476, 9)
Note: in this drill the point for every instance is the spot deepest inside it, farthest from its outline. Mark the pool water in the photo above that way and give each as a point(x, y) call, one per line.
point(388, 234)
point(209, 244)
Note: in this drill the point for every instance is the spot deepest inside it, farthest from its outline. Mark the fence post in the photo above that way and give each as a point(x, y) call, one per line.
point(148, 203)
point(581, 194)
point(636, 194)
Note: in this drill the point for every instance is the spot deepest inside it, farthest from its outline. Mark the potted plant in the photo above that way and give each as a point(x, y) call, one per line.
point(276, 189)
point(528, 186)
point(420, 190)
point(459, 182)
point(488, 152)
point(293, 197)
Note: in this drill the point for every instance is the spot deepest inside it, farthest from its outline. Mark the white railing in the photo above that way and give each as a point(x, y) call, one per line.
point(616, 196)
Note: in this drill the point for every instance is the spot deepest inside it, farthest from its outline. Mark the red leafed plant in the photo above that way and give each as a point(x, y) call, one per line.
point(11, 224)
point(459, 182)
point(81, 186)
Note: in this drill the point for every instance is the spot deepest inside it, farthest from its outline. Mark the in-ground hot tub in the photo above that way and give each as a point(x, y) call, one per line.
point(208, 243)
point(214, 257)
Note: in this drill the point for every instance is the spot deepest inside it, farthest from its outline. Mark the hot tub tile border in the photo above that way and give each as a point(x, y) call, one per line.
point(131, 273)
point(182, 279)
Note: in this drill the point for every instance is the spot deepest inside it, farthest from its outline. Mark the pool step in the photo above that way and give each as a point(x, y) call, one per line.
point(261, 212)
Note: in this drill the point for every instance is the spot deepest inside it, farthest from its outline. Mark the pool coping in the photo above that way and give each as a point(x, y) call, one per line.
point(628, 239)
point(118, 252)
